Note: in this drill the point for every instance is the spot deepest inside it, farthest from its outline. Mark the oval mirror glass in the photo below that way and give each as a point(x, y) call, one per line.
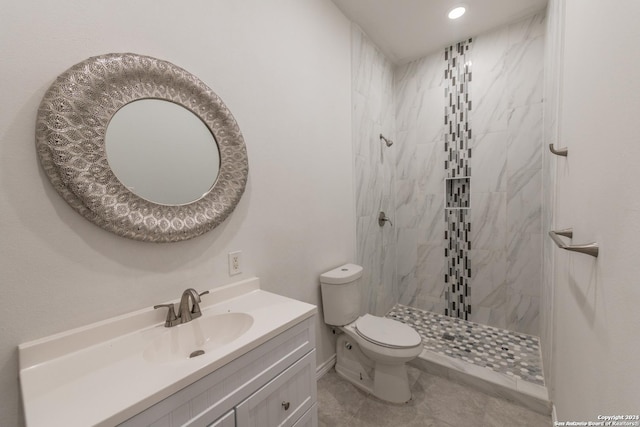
point(162, 152)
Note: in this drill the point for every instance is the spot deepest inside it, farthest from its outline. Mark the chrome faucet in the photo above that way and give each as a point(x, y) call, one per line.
point(185, 312)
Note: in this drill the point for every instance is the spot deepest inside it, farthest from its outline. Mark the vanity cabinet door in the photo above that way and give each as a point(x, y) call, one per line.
point(283, 400)
point(227, 420)
point(309, 419)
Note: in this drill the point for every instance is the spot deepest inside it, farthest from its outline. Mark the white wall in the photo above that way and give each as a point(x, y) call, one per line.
point(552, 77)
point(283, 68)
point(597, 326)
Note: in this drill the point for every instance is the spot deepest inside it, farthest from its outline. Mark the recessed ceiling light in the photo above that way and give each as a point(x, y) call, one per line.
point(456, 12)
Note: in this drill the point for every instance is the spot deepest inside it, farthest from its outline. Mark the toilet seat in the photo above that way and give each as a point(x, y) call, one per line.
point(387, 333)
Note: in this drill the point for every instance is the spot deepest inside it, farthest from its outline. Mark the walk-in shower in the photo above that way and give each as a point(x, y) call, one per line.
point(463, 187)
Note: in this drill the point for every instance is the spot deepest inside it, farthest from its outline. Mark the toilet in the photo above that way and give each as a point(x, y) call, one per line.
point(371, 351)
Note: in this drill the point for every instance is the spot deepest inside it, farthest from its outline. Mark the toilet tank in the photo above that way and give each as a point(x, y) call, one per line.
point(341, 294)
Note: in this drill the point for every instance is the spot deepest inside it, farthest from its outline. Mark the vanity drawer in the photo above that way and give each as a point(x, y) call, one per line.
point(283, 400)
point(228, 420)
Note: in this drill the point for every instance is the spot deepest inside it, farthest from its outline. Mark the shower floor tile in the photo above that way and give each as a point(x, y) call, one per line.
point(513, 354)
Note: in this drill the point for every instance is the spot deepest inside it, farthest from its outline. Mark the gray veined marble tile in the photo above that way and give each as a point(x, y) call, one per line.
point(429, 71)
point(406, 216)
point(489, 112)
point(488, 220)
point(431, 224)
point(362, 170)
point(427, 302)
point(407, 288)
point(430, 270)
point(488, 278)
point(430, 168)
point(407, 109)
point(489, 86)
point(524, 149)
point(523, 313)
point(385, 298)
point(525, 72)
point(361, 125)
point(374, 98)
point(407, 259)
point(367, 239)
point(406, 155)
point(407, 251)
point(494, 312)
point(362, 61)
point(430, 116)
point(527, 28)
point(524, 271)
point(489, 162)
point(498, 317)
point(404, 79)
point(369, 187)
point(535, 390)
point(406, 100)
point(524, 201)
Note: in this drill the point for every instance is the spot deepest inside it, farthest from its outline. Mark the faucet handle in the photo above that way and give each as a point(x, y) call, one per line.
point(196, 306)
point(171, 314)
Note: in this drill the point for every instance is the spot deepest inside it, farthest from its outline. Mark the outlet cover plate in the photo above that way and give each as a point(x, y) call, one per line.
point(235, 263)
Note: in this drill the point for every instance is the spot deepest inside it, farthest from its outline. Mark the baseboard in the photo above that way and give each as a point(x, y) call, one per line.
point(325, 367)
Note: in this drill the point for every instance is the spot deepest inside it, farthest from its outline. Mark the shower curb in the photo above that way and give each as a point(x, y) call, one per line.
point(532, 396)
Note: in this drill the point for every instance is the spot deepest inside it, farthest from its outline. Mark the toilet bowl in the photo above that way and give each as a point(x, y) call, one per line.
point(389, 354)
point(371, 351)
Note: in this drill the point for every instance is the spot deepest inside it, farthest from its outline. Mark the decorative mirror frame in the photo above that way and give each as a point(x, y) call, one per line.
point(70, 130)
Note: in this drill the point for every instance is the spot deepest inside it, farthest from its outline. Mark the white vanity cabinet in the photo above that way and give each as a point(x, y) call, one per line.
point(227, 420)
point(272, 385)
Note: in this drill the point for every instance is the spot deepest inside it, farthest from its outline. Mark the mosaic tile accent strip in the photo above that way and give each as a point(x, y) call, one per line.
point(457, 171)
point(458, 192)
point(457, 276)
point(511, 353)
point(456, 111)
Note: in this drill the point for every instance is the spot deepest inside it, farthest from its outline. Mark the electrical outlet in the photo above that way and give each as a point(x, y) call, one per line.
point(235, 263)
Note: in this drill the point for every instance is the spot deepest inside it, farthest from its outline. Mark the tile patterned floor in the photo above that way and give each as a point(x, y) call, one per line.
point(514, 354)
point(437, 402)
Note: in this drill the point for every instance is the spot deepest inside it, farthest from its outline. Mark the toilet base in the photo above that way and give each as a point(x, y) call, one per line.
point(391, 383)
point(386, 382)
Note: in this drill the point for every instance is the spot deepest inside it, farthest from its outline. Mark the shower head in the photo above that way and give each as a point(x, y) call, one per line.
point(386, 141)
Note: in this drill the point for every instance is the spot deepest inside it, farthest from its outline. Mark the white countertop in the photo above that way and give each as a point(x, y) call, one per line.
point(97, 375)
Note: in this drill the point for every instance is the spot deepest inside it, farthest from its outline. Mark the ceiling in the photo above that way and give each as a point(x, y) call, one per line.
point(409, 29)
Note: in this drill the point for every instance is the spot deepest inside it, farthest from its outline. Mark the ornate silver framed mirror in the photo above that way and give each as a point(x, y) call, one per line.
point(71, 140)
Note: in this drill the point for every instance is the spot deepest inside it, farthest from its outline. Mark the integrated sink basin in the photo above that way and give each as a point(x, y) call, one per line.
point(197, 337)
point(105, 373)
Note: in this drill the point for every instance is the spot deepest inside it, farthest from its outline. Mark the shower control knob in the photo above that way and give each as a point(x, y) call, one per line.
point(382, 218)
point(347, 345)
point(285, 405)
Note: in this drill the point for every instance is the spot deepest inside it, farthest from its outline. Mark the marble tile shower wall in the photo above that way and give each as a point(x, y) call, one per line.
point(373, 113)
point(506, 178)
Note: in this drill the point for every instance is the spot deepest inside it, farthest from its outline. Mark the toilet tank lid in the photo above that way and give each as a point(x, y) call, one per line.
point(341, 275)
